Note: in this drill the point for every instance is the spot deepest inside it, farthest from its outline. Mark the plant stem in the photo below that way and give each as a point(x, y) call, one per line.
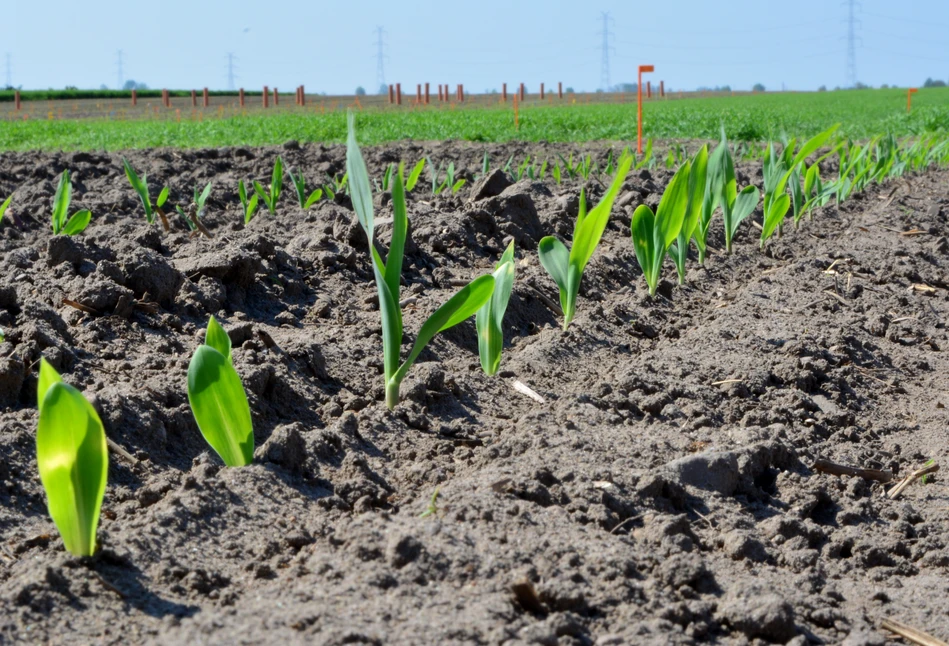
point(392, 394)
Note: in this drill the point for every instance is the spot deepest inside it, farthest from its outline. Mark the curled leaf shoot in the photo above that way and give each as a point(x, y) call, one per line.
point(490, 317)
point(299, 183)
point(140, 184)
point(218, 400)
point(73, 460)
point(464, 304)
point(61, 222)
point(566, 267)
point(276, 186)
point(249, 205)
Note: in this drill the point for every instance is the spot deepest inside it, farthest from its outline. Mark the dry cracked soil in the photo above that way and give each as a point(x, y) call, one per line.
point(664, 491)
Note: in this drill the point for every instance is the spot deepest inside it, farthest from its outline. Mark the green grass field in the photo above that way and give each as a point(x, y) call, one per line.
point(862, 113)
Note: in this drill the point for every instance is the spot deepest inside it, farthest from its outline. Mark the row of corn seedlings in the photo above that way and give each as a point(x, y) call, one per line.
point(72, 450)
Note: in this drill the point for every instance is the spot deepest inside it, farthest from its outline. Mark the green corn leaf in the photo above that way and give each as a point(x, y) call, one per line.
point(61, 202)
point(670, 213)
point(220, 406)
point(262, 194)
point(218, 339)
point(73, 461)
point(360, 189)
point(777, 210)
point(417, 172)
point(457, 186)
point(77, 223)
point(276, 180)
point(162, 197)
point(458, 308)
point(581, 209)
point(400, 227)
point(242, 193)
point(315, 197)
point(47, 377)
point(643, 228)
point(490, 317)
point(698, 186)
point(387, 177)
point(543, 170)
point(251, 208)
point(745, 204)
point(299, 184)
point(4, 207)
point(555, 258)
point(141, 187)
point(587, 235)
point(556, 173)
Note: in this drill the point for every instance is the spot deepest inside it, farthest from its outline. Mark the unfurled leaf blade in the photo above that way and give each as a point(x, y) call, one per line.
point(220, 407)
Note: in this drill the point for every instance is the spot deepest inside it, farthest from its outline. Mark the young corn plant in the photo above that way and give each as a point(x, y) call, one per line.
point(73, 460)
point(4, 207)
point(388, 273)
point(196, 210)
point(714, 187)
point(566, 267)
point(337, 185)
point(276, 186)
point(698, 186)
point(140, 184)
point(736, 206)
point(299, 183)
point(654, 233)
point(218, 401)
point(490, 317)
point(69, 226)
point(778, 171)
point(249, 205)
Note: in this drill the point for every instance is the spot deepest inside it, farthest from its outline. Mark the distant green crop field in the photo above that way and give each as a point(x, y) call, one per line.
point(862, 113)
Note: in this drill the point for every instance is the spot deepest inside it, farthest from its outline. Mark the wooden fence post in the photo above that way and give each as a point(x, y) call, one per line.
point(662, 89)
point(266, 97)
point(541, 91)
point(16, 100)
point(648, 90)
point(276, 97)
point(398, 94)
point(504, 92)
point(206, 98)
point(194, 99)
point(418, 94)
point(427, 96)
point(559, 89)
point(134, 98)
point(240, 96)
point(391, 93)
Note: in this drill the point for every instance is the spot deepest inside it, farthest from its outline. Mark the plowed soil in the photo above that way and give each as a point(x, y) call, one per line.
point(663, 492)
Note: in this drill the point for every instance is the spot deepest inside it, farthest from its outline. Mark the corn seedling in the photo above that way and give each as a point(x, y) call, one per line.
point(196, 209)
point(490, 317)
point(555, 173)
point(140, 184)
point(736, 206)
point(714, 186)
point(778, 171)
point(299, 183)
point(432, 508)
point(73, 460)
point(388, 275)
point(61, 224)
point(654, 233)
point(218, 400)
point(4, 207)
point(566, 267)
point(276, 185)
point(338, 185)
point(698, 186)
point(568, 165)
point(647, 159)
point(585, 167)
point(249, 205)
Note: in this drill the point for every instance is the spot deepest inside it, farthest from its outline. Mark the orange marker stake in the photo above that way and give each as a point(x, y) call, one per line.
point(639, 107)
point(909, 97)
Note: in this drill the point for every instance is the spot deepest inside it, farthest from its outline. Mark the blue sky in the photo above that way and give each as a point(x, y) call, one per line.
point(331, 47)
